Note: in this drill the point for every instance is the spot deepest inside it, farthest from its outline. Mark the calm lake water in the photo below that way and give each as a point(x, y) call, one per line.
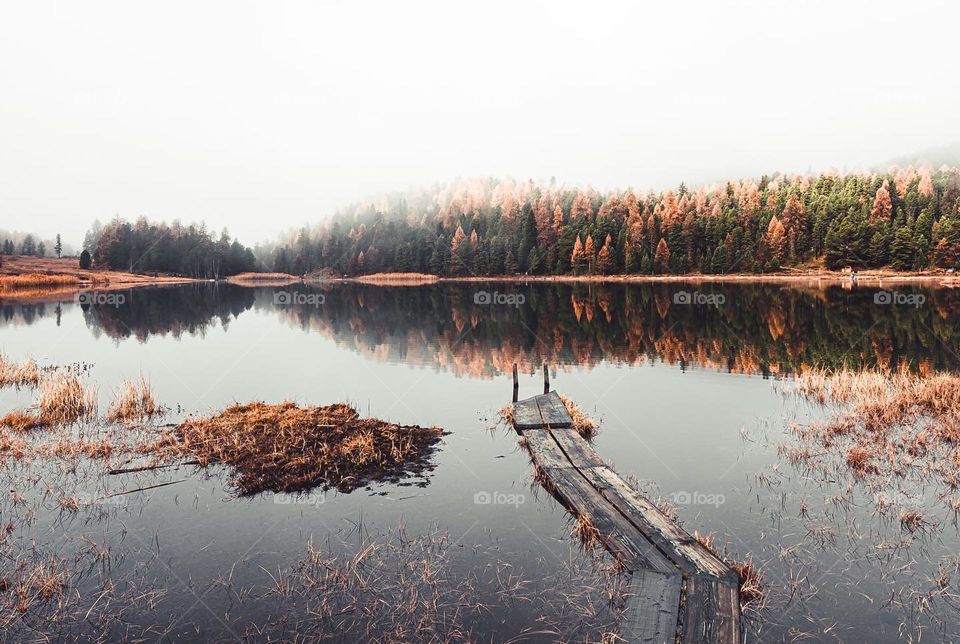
point(690, 382)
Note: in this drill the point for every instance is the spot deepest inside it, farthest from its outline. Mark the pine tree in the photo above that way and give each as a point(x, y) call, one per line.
point(776, 241)
point(661, 259)
point(58, 247)
point(605, 257)
point(882, 205)
point(588, 253)
point(576, 257)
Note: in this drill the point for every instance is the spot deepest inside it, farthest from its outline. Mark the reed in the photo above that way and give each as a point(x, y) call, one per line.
point(133, 402)
point(18, 374)
point(64, 400)
point(36, 280)
point(885, 421)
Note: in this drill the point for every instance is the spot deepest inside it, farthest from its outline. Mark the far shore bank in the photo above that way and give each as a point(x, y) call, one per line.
point(67, 280)
point(866, 278)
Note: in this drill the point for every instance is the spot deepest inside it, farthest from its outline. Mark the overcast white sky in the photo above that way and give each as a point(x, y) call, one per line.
point(260, 116)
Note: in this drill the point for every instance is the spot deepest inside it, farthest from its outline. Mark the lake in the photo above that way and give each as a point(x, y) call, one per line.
point(691, 383)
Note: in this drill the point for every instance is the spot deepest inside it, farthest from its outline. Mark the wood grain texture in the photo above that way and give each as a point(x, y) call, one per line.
point(679, 591)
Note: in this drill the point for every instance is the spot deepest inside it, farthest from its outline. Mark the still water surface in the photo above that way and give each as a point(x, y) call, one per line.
point(690, 391)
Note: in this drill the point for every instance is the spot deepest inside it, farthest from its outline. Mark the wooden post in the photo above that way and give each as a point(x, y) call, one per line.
point(516, 383)
point(546, 378)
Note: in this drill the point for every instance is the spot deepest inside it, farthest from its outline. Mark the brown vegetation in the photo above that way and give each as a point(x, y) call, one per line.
point(133, 403)
point(64, 400)
point(25, 277)
point(34, 280)
point(263, 279)
point(398, 279)
point(887, 422)
point(582, 424)
point(751, 581)
point(19, 374)
point(286, 448)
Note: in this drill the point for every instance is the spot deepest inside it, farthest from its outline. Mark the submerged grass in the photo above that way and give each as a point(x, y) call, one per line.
point(286, 448)
point(887, 423)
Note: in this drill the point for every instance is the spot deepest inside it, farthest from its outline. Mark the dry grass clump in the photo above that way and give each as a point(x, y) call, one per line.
point(912, 520)
point(398, 279)
point(886, 422)
point(11, 445)
point(749, 574)
point(286, 448)
point(582, 424)
point(30, 585)
point(18, 374)
point(133, 402)
point(64, 400)
point(584, 531)
point(267, 277)
point(21, 420)
point(34, 280)
point(751, 581)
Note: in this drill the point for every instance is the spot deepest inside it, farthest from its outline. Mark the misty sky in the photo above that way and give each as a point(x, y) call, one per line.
point(263, 116)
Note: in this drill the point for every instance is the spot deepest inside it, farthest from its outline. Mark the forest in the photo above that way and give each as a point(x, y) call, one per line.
point(158, 247)
point(904, 219)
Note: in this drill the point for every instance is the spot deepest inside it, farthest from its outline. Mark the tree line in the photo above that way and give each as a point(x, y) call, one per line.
point(905, 218)
point(29, 246)
point(188, 250)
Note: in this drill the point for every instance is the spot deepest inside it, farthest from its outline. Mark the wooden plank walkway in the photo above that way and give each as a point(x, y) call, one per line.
point(679, 591)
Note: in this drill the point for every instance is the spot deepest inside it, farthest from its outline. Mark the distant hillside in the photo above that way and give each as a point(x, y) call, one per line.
point(903, 218)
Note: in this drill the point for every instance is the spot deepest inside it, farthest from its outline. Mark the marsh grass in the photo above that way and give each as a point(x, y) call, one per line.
point(286, 448)
point(133, 402)
point(886, 423)
point(36, 280)
point(400, 587)
point(64, 400)
point(19, 374)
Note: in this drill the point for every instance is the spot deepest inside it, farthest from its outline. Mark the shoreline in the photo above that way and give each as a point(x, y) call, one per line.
point(825, 278)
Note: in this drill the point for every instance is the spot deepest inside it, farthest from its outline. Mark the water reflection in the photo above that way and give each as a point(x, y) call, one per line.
point(756, 328)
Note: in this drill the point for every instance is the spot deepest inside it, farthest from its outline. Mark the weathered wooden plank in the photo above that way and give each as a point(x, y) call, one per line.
point(630, 547)
point(651, 612)
point(544, 449)
point(553, 410)
point(677, 543)
point(679, 590)
point(707, 615)
point(577, 449)
point(526, 414)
